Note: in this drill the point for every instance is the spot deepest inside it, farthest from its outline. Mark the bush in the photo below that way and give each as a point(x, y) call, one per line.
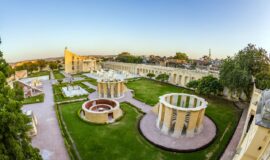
point(162, 77)
point(262, 80)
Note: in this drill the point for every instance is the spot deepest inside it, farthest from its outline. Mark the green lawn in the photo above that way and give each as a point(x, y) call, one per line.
point(58, 75)
point(35, 99)
point(122, 139)
point(41, 73)
point(223, 112)
point(59, 97)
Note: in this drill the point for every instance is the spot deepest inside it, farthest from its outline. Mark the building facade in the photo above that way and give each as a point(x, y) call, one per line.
point(255, 141)
point(76, 64)
point(177, 76)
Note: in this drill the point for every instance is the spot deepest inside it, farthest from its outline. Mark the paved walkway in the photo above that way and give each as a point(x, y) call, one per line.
point(231, 148)
point(128, 97)
point(48, 139)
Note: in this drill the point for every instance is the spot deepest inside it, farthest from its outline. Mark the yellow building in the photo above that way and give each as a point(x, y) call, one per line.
point(255, 140)
point(76, 64)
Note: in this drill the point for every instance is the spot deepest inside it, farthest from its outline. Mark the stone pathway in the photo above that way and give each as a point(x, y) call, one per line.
point(231, 148)
point(128, 97)
point(48, 139)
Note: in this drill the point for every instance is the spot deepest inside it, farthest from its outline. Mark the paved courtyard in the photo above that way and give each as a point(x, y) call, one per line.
point(49, 139)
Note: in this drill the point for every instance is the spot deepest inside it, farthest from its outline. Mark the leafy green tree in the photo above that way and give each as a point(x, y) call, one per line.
point(236, 72)
point(41, 64)
point(181, 56)
point(150, 75)
point(209, 85)
point(263, 80)
point(60, 81)
point(53, 65)
point(162, 77)
point(193, 84)
point(128, 58)
point(14, 141)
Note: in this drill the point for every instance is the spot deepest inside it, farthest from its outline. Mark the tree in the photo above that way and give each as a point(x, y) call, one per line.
point(150, 75)
point(236, 72)
point(162, 77)
point(181, 56)
point(53, 65)
point(14, 141)
point(60, 81)
point(128, 58)
point(41, 64)
point(209, 85)
point(193, 84)
point(263, 80)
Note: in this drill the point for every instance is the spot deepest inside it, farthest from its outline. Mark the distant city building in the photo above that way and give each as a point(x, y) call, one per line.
point(76, 64)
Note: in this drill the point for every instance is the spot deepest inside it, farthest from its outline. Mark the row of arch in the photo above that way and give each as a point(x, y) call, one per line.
point(176, 76)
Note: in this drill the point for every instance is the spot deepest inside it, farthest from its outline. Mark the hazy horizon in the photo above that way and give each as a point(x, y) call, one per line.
point(34, 30)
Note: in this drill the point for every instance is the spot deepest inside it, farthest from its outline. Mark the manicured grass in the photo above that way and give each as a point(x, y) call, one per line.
point(58, 75)
point(35, 99)
point(41, 73)
point(122, 140)
point(59, 96)
point(223, 112)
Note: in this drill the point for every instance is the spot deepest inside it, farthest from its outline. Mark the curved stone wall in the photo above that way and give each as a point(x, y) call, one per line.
point(101, 111)
point(111, 89)
point(180, 114)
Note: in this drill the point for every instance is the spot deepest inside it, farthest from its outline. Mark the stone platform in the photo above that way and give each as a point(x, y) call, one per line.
point(149, 130)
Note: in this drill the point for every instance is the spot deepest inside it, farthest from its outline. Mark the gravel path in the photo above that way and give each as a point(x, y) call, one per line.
point(48, 139)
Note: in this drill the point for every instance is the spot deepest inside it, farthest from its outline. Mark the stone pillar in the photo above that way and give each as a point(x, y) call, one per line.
point(171, 99)
point(179, 124)
point(175, 99)
point(167, 120)
point(99, 90)
point(191, 102)
point(119, 89)
point(192, 123)
point(160, 109)
point(112, 89)
point(199, 124)
point(183, 101)
point(105, 90)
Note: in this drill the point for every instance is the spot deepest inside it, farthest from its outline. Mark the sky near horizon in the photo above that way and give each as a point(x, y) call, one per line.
point(40, 29)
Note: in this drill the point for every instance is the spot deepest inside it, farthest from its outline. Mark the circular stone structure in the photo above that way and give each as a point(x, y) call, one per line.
point(101, 111)
point(180, 114)
point(178, 124)
point(111, 88)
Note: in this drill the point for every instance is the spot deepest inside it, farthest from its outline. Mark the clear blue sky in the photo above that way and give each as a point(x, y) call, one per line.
point(38, 29)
